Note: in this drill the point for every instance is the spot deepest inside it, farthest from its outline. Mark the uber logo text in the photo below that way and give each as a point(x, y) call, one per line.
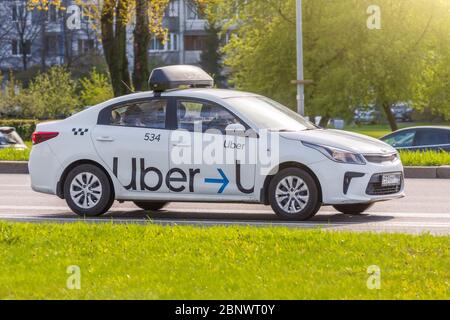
point(374, 280)
point(74, 280)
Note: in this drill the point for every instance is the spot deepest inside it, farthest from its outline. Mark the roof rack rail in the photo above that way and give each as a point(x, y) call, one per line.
point(174, 77)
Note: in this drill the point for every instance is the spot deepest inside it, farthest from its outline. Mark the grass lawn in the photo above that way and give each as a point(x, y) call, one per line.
point(16, 155)
point(155, 262)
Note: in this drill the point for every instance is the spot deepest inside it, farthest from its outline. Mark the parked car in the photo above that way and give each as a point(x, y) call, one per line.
point(149, 148)
point(402, 112)
point(420, 139)
point(370, 115)
point(9, 138)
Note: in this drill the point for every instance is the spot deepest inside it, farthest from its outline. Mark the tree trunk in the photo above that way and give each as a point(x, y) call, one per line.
point(324, 121)
point(141, 71)
point(24, 59)
point(114, 40)
point(390, 116)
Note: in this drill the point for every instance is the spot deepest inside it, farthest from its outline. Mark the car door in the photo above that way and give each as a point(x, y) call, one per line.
point(216, 163)
point(132, 139)
point(432, 139)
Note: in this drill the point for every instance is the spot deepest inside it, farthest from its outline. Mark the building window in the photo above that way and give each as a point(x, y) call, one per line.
point(51, 45)
point(17, 12)
point(172, 9)
point(194, 43)
point(193, 12)
point(171, 44)
point(85, 46)
point(52, 14)
point(18, 48)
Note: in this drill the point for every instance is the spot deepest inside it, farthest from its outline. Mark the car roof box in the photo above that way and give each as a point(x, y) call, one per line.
point(174, 77)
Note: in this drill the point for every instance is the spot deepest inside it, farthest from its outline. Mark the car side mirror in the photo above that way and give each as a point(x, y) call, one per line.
point(235, 129)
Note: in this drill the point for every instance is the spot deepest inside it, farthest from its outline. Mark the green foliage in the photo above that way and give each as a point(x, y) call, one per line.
point(425, 159)
point(211, 57)
point(349, 63)
point(157, 262)
point(95, 89)
point(50, 95)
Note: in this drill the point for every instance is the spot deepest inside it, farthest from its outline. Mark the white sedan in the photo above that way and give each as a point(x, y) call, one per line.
point(208, 145)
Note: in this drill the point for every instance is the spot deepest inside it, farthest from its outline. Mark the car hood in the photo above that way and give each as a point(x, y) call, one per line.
point(350, 141)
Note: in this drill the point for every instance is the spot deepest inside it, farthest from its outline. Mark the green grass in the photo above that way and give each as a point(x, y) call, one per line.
point(428, 158)
point(155, 262)
point(16, 155)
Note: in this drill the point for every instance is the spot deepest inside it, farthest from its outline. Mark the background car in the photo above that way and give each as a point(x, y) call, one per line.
point(9, 138)
point(368, 115)
point(420, 139)
point(402, 112)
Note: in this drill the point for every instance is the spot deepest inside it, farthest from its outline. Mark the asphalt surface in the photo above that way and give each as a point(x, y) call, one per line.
point(425, 209)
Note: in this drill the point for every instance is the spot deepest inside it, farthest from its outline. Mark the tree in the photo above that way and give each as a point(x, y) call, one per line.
point(95, 89)
point(27, 26)
point(211, 57)
point(349, 63)
point(114, 17)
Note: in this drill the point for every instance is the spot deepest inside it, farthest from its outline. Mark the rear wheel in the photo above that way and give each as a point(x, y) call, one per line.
point(87, 191)
point(149, 205)
point(353, 208)
point(294, 195)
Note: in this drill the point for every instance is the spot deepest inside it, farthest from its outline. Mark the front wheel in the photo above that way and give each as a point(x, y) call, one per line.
point(294, 195)
point(354, 209)
point(149, 205)
point(87, 191)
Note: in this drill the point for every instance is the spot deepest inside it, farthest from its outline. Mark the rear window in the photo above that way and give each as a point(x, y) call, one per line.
point(10, 138)
point(432, 137)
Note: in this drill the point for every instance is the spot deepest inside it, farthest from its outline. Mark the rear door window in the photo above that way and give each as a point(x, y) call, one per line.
point(432, 137)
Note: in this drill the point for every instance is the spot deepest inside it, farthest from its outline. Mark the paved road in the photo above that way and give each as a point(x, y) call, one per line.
point(426, 209)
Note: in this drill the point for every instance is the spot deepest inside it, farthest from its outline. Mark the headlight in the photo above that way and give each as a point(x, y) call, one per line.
point(336, 154)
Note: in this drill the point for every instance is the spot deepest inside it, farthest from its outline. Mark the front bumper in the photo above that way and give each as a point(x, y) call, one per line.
point(349, 184)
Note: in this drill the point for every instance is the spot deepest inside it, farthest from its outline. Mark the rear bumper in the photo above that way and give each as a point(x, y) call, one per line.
point(43, 167)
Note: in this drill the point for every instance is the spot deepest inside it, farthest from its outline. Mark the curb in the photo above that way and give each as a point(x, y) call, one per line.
point(14, 167)
point(21, 167)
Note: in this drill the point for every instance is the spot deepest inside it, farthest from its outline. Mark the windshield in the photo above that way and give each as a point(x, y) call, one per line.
point(270, 115)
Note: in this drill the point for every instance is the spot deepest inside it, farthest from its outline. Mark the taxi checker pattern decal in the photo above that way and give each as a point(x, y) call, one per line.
point(79, 131)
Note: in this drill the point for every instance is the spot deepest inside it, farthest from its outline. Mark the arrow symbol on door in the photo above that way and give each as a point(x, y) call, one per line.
point(224, 181)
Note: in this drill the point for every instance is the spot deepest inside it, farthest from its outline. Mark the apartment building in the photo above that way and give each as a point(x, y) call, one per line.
point(29, 38)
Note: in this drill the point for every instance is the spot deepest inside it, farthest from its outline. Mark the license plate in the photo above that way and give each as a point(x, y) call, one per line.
point(391, 180)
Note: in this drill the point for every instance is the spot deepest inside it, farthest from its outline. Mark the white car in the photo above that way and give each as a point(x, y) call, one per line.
point(194, 145)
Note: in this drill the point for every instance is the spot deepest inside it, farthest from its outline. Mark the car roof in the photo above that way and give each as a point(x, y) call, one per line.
point(425, 127)
point(415, 128)
point(193, 93)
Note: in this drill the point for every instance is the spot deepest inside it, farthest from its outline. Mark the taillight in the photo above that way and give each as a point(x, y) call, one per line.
point(39, 137)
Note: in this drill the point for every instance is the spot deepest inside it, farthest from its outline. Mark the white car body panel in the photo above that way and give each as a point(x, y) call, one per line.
point(49, 160)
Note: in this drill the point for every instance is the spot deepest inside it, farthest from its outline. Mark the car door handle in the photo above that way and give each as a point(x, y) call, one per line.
point(105, 139)
point(182, 145)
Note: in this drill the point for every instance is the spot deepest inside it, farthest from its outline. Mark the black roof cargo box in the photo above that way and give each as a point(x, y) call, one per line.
point(173, 77)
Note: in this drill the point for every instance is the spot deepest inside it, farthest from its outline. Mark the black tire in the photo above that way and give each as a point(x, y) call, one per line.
point(104, 200)
point(354, 209)
point(150, 205)
point(310, 207)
